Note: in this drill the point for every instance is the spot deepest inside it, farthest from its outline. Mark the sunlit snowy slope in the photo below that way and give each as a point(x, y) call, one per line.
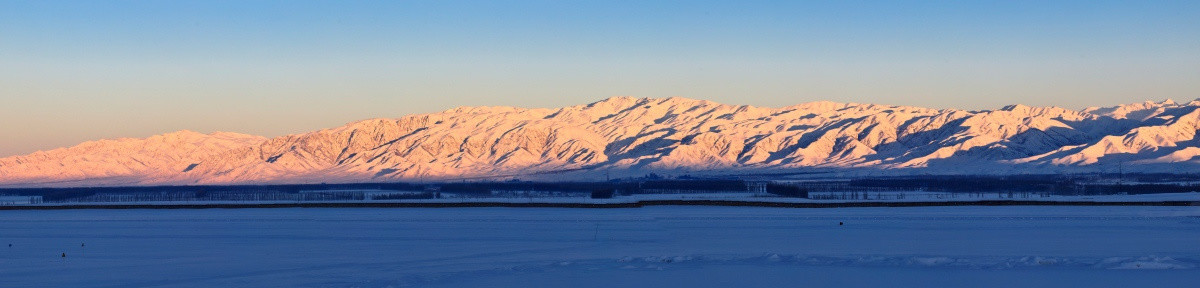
point(630, 136)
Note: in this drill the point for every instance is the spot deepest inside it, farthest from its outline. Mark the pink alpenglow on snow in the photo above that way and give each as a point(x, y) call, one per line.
point(626, 136)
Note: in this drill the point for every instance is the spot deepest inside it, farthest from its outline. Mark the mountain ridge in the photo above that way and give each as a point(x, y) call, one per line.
point(626, 136)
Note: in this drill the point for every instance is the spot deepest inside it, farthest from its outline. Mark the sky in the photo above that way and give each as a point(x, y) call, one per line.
point(72, 71)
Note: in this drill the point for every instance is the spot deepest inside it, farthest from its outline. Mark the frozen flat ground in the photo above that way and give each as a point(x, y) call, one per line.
point(692, 246)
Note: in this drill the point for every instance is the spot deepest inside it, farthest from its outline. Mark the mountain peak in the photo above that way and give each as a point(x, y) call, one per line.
point(617, 100)
point(1138, 111)
point(1015, 108)
point(639, 135)
point(183, 132)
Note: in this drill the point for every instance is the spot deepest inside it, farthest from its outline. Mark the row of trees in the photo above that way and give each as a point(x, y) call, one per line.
point(787, 190)
point(403, 196)
point(1039, 185)
point(58, 194)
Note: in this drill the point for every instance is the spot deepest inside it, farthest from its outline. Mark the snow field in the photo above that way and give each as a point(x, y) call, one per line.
point(555, 247)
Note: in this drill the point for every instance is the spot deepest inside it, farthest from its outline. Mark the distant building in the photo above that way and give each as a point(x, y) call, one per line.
point(758, 187)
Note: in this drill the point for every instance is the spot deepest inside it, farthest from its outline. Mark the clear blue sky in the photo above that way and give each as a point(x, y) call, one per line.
point(79, 70)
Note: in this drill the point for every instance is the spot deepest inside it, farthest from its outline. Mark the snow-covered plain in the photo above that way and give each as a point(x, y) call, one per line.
point(688, 246)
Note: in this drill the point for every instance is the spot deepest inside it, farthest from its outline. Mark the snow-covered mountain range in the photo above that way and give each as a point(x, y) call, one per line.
point(625, 136)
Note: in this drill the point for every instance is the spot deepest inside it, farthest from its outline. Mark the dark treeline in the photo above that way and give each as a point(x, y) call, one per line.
point(213, 191)
point(969, 184)
point(287, 192)
point(1048, 184)
point(400, 196)
point(1137, 188)
point(330, 191)
point(603, 193)
point(1041, 184)
point(694, 185)
point(787, 190)
point(488, 187)
point(1150, 178)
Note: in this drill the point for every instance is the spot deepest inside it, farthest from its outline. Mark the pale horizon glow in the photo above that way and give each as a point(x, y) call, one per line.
point(73, 71)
